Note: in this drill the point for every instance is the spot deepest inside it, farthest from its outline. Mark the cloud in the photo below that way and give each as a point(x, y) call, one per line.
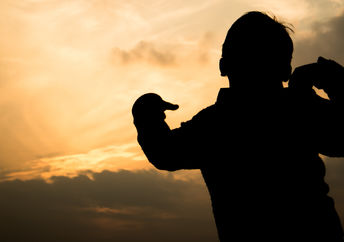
point(172, 54)
point(145, 51)
point(112, 206)
point(114, 157)
point(325, 39)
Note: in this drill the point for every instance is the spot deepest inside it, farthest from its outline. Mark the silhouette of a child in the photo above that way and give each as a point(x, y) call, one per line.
point(258, 146)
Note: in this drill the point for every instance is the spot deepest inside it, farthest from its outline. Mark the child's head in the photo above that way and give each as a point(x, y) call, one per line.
point(257, 52)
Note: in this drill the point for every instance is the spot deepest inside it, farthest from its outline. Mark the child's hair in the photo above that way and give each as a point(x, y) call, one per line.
point(257, 41)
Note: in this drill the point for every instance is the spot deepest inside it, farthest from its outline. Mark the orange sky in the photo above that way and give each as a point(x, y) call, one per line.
point(71, 69)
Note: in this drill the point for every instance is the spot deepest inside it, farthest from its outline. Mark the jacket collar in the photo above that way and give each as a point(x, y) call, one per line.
point(226, 94)
point(223, 95)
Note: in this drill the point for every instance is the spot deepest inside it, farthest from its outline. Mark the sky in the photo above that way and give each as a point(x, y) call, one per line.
point(70, 71)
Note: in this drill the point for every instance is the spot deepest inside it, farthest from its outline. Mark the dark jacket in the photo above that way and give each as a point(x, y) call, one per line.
point(259, 156)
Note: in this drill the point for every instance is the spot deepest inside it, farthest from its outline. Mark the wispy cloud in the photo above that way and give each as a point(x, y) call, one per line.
point(145, 51)
point(127, 156)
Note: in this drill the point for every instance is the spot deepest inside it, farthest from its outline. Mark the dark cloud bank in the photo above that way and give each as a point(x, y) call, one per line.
point(118, 206)
point(113, 206)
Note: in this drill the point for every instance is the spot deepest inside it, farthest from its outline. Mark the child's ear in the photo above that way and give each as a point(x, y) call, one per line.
point(223, 65)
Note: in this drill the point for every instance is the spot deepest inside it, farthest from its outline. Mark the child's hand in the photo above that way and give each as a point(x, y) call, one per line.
point(151, 106)
point(304, 77)
point(331, 78)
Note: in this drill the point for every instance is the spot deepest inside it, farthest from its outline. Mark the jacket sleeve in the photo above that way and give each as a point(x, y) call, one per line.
point(330, 128)
point(331, 112)
point(171, 150)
